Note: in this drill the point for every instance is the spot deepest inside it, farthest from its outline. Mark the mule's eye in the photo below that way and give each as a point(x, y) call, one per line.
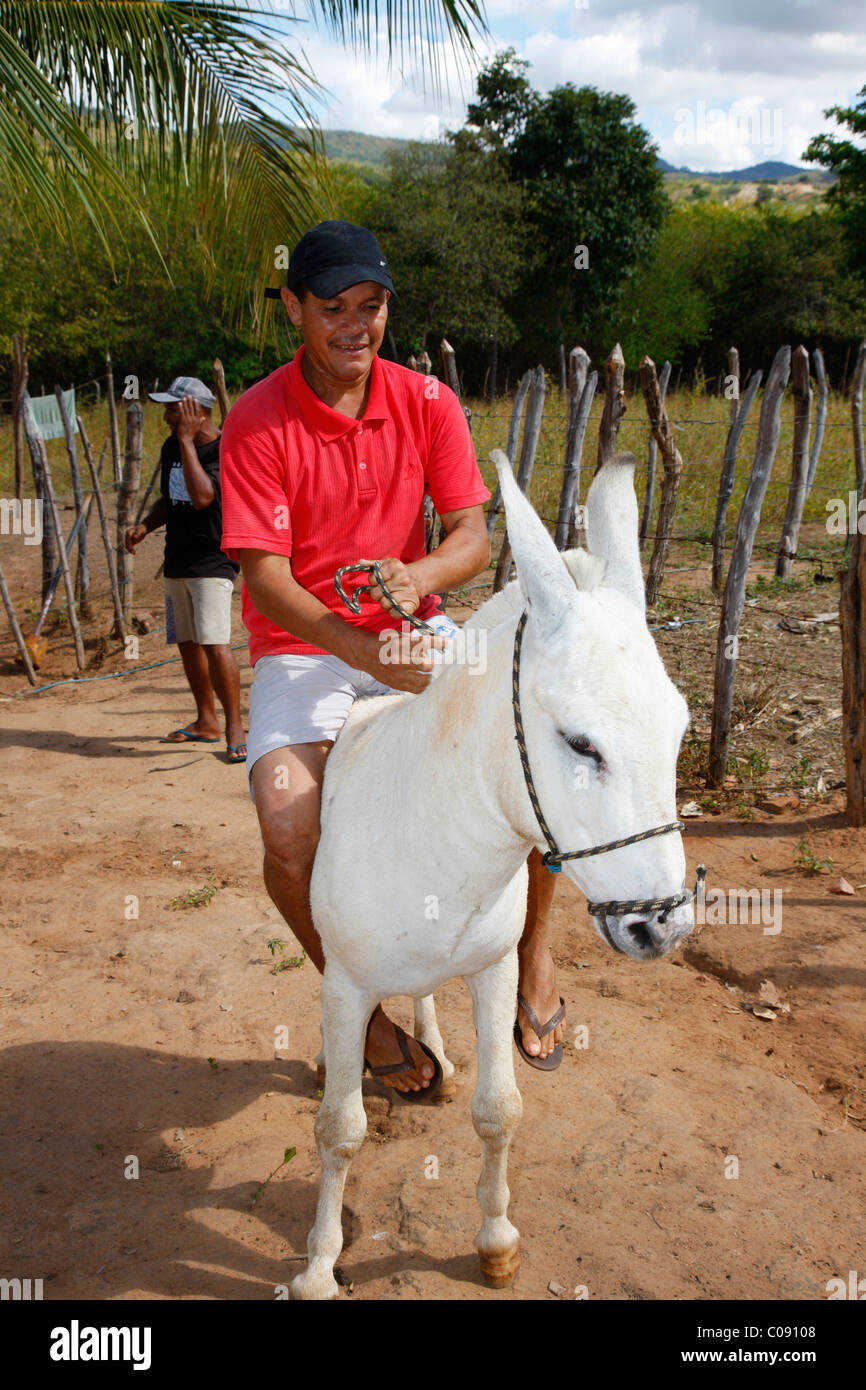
point(581, 745)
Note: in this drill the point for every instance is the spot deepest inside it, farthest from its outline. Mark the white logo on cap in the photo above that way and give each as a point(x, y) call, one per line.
point(383, 262)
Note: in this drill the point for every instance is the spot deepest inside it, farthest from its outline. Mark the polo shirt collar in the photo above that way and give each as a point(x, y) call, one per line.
point(327, 422)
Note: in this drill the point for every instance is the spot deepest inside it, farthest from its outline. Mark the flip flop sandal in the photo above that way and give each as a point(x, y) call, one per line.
point(237, 753)
point(426, 1094)
point(187, 737)
point(553, 1059)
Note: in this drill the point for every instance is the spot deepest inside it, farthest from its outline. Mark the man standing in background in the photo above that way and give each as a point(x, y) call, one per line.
point(199, 578)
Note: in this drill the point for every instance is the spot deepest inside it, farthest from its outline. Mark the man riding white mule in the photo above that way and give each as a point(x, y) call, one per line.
point(324, 463)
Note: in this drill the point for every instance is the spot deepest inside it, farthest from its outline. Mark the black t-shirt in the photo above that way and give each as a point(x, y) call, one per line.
point(193, 537)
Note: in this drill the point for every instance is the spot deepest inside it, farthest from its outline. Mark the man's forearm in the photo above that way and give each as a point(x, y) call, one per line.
point(463, 554)
point(156, 516)
point(199, 485)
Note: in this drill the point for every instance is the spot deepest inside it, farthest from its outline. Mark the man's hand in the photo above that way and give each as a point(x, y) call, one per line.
point(134, 536)
point(192, 417)
point(400, 659)
point(401, 586)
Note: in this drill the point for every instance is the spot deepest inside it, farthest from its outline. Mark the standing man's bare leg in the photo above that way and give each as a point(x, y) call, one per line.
point(289, 817)
point(195, 665)
point(537, 973)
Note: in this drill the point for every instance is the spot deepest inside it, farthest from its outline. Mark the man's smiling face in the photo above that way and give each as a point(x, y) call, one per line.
point(342, 334)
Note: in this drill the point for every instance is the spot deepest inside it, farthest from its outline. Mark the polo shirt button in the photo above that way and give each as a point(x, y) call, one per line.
point(362, 465)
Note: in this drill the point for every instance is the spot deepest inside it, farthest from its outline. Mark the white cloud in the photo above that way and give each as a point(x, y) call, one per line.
point(755, 77)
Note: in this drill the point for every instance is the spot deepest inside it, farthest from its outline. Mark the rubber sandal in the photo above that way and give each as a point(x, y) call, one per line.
point(187, 737)
point(237, 753)
point(426, 1093)
point(553, 1059)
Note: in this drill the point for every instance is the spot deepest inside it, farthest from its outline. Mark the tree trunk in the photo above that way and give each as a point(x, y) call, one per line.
point(614, 406)
point(820, 416)
point(734, 598)
point(219, 382)
point(726, 479)
point(82, 579)
point(126, 502)
point(511, 446)
point(112, 422)
point(651, 462)
point(36, 447)
point(534, 412)
point(20, 373)
point(119, 625)
point(566, 525)
point(673, 466)
point(800, 463)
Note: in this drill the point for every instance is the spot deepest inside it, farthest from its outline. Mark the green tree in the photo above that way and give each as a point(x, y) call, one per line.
point(449, 220)
point(505, 102)
point(595, 202)
point(97, 97)
point(847, 160)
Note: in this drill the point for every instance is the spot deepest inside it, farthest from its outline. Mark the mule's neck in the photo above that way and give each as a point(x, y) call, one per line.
point(461, 742)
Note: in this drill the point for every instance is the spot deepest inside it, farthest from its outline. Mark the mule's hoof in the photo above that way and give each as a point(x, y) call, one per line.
point(500, 1270)
point(313, 1284)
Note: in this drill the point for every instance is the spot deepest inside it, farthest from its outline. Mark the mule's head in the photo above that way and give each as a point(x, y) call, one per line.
point(602, 719)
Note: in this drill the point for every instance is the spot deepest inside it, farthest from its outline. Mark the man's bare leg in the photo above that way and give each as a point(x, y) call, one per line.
point(195, 666)
point(290, 823)
point(537, 974)
point(226, 681)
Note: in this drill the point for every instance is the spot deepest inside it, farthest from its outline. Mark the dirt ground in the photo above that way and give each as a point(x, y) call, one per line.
point(152, 1036)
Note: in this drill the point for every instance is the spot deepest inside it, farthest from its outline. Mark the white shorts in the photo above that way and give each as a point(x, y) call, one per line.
point(304, 699)
point(199, 610)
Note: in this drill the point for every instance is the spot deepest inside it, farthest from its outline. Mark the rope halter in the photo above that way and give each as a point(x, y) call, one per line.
point(554, 857)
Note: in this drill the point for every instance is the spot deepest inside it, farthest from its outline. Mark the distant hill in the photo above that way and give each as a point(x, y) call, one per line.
point(356, 148)
point(755, 173)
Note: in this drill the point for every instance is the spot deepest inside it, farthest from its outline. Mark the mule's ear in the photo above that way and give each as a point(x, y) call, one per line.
point(612, 527)
point(545, 583)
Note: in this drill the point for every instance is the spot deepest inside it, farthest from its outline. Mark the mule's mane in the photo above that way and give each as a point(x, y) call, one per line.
point(586, 570)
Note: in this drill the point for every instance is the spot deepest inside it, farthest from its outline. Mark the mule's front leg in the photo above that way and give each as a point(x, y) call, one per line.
point(427, 1032)
point(340, 1127)
point(496, 1108)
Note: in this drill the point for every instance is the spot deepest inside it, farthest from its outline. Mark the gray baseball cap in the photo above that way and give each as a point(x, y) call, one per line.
point(184, 386)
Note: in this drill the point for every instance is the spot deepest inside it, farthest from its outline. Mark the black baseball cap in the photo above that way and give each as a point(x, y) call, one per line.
point(334, 255)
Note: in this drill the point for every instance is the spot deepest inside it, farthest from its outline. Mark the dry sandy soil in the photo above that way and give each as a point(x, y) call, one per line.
point(155, 1037)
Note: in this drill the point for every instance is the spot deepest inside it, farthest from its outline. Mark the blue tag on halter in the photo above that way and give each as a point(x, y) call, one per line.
point(555, 868)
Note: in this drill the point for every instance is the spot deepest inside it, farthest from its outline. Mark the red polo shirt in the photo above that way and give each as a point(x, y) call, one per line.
point(303, 480)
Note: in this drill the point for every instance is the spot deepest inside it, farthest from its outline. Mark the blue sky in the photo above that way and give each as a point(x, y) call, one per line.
point(720, 84)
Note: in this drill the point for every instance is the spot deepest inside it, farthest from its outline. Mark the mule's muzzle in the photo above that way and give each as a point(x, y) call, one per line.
point(646, 936)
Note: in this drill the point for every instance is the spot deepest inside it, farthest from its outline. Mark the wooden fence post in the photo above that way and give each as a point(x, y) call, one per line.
point(726, 478)
point(126, 501)
point(20, 373)
point(673, 467)
point(800, 464)
point(734, 598)
point(219, 382)
point(566, 527)
point(36, 448)
point(820, 416)
point(412, 363)
point(857, 383)
point(578, 368)
point(82, 579)
point(563, 378)
point(112, 422)
point(511, 446)
point(852, 620)
point(614, 406)
point(148, 490)
point(119, 625)
point(733, 379)
point(16, 630)
point(651, 462)
point(80, 658)
point(424, 364)
point(534, 412)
